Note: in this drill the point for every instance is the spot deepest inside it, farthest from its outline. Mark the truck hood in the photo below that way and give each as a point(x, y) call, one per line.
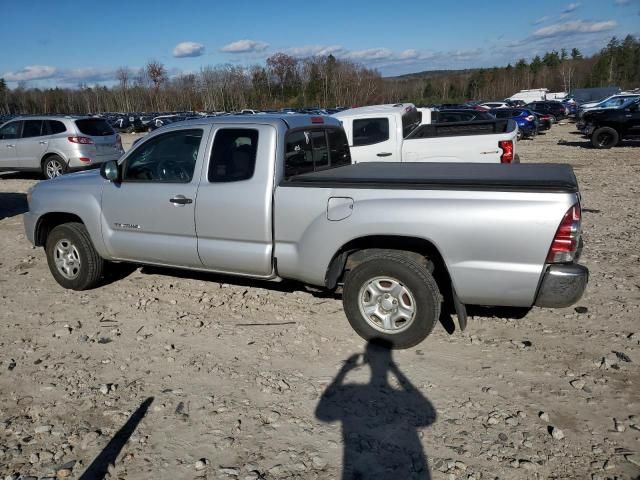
point(89, 181)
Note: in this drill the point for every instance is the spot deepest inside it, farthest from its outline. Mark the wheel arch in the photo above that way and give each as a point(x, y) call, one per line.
point(47, 222)
point(356, 250)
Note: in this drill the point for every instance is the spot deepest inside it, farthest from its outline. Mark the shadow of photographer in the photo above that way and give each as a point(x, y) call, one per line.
point(379, 422)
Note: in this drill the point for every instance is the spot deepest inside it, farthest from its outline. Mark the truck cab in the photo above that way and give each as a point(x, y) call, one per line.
point(375, 133)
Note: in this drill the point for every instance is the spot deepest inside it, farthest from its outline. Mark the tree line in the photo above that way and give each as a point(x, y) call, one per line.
point(326, 81)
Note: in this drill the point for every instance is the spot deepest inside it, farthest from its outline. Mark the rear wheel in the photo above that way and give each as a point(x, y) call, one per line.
point(604, 137)
point(53, 166)
point(72, 259)
point(392, 297)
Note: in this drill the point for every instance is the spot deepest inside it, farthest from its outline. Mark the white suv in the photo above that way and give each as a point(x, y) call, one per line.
point(54, 145)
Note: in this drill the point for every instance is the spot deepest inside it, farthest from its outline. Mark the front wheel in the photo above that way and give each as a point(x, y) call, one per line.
point(72, 258)
point(604, 137)
point(392, 297)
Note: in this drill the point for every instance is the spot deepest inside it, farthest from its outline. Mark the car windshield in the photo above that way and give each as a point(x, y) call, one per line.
point(94, 127)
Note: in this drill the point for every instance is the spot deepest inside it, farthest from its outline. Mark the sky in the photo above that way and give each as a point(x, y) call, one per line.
point(64, 43)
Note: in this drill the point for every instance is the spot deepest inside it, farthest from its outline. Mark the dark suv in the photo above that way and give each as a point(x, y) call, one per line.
point(608, 126)
point(557, 109)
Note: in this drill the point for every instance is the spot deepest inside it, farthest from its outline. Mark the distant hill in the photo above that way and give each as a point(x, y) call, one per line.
point(432, 74)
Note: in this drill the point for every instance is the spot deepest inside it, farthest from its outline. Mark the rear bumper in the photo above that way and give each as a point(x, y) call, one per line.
point(562, 285)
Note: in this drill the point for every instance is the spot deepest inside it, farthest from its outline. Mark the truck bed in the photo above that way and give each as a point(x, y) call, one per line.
point(442, 176)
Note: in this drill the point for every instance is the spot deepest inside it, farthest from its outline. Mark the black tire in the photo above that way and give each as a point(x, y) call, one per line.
point(90, 265)
point(417, 280)
point(519, 135)
point(604, 137)
point(53, 166)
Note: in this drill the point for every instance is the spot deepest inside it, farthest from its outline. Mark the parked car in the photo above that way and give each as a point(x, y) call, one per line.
point(389, 133)
point(607, 127)
point(527, 122)
point(614, 101)
point(54, 145)
point(277, 199)
point(552, 107)
point(494, 105)
point(545, 121)
point(461, 115)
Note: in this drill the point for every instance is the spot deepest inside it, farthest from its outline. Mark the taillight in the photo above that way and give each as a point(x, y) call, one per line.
point(507, 151)
point(565, 243)
point(530, 118)
point(82, 140)
point(317, 120)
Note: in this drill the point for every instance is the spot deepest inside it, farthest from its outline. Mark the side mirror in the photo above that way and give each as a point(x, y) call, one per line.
point(110, 171)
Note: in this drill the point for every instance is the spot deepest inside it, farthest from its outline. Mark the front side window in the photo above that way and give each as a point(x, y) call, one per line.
point(32, 128)
point(10, 131)
point(234, 153)
point(168, 158)
point(370, 131)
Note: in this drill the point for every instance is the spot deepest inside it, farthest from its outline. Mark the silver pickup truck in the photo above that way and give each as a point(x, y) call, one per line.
point(276, 197)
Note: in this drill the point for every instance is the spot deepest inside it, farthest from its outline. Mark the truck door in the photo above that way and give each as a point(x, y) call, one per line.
point(375, 140)
point(234, 206)
point(149, 216)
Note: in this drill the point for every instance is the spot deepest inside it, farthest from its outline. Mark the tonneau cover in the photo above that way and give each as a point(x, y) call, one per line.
point(550, 177)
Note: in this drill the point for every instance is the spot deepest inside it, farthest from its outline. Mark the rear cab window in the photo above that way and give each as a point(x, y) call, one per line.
point(411, 119)
point(310, 150)
point(94, 127)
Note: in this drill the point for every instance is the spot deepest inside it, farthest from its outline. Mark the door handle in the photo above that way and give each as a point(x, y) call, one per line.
point(384, 154)
point(181, 200)
point(11, 146)
point(42, 142)
point(488, 153)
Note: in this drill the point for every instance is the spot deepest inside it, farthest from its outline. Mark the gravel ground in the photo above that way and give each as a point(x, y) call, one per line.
point(164, 374)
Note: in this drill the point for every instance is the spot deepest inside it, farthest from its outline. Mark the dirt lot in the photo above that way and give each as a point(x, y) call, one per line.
point(231, 374)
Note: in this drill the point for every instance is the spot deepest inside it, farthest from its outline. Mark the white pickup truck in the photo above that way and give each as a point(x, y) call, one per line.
point(393, 133)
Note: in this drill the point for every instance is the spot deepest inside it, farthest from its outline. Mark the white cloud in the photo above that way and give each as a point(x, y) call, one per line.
point(188, 49)
point(245, 46)
point(370, 54)
point(574, 27)
point(314, 50)
point(409, 54)
point(30, 72)
point(541, 20)
point(571, 7)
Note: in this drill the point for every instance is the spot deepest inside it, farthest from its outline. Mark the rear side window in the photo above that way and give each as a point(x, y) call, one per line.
point(10, 131)
point(54, 127)
point(32, 128)
point(94, 127)
point(370, 131)
point(233, 157)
